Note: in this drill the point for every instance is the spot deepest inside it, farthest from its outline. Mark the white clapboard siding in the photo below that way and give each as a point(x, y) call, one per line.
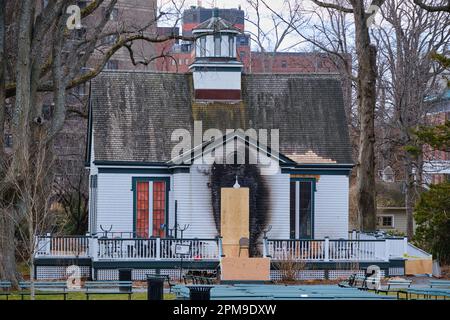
point(115, 201)
point(194, 202)
point(115, 204)
point(278, 185)
point(331, 207)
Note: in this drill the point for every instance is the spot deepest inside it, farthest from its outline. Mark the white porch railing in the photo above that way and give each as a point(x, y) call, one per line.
point(125, 249)
point(335, 250)
point(58, 246)
point(211, 249)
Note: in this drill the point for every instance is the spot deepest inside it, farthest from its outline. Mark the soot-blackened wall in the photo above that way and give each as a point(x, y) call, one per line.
point(249, 176)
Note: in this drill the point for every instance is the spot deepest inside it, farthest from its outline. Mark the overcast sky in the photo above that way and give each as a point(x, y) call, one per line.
point(277, 5)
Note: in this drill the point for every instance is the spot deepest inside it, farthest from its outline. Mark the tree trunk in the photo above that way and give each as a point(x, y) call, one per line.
point(365, 185)
point(2, 82)
point(410, 196)
point(22, 108)
point(8, 267)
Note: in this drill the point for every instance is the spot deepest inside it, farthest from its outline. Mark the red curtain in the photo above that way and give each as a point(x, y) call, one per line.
point(142, 223)
point(159, 208)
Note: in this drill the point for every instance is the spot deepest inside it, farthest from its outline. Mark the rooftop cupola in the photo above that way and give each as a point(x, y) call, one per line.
point(216, 70)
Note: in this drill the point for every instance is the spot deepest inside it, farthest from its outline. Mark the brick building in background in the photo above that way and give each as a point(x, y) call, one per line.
point(180, 55)
point(437, 166)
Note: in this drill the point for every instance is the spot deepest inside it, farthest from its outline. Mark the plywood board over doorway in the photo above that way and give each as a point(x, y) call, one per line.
point(417, 266)
point(245, 269)
point(235, 220)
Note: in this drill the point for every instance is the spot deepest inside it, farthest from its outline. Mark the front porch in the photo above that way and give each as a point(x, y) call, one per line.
point(157, 249)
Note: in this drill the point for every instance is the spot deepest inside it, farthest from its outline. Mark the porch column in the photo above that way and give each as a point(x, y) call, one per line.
point(158, 248)
point(405, 246)
point(387, 248)
point(219, 245)
point(48, 241)
point(265, 253)
point(93, 247)
point(327, 249)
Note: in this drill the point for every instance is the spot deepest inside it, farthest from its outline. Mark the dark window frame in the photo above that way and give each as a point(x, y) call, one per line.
point(135, 181)
point(293, 193)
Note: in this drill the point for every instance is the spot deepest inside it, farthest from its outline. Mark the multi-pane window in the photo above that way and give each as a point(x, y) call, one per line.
point(231, 46)
point(151, 208)
point(217, 45)
point(159, 208)
point(143, 209)
point(112, 65)
point(301, 209)
point(386, 221)
point(202, 46)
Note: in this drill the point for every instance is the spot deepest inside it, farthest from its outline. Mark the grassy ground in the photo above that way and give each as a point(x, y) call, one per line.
point(82, 296)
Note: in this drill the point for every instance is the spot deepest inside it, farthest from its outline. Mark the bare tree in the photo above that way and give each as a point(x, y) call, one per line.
point(43, 56)
point(366, 96)
point(434, 7)
point(272, 30)
point(406, 37)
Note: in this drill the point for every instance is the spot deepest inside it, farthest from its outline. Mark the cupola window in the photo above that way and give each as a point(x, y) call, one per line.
point(217, 45)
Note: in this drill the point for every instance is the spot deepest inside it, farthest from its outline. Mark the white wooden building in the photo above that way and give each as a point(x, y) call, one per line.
point(141, 195)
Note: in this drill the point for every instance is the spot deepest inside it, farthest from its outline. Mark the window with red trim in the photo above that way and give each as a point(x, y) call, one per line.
point(142, 223)
point(158, 208)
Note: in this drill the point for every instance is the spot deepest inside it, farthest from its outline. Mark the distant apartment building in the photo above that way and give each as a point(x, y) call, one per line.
point(179, 55)
point(437, 162)
point(126, 15)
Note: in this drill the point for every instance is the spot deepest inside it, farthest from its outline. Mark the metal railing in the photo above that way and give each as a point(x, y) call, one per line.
point(125, 249)
point(211, 249)
point(335, 250)
point(62, 246)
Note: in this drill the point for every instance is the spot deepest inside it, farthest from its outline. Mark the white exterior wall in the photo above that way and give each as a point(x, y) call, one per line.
point(226, 80)
point(194, 202)
point(93, 170)
point(331, 207)
point(115, 201)
point(279, 205)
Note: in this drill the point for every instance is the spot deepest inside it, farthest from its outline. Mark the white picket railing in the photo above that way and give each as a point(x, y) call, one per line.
point(200, 249)
point(57, 246)
point(125, 249)
point(296, 249)
point(335, 250)
point(211, 249)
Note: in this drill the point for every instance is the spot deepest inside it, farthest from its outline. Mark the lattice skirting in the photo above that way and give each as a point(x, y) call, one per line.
point(344, 274)
point(396, 271)
point(277, 275)
point(141, 274)
point(58, 273)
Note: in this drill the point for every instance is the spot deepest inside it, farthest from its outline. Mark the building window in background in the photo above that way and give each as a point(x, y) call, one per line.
point(114, 14)
point(47, 111)
point(112, 65)
point(385, 221)
point(8, 140)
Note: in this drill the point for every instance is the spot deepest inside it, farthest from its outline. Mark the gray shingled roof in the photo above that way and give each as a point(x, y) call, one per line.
point(134, 114)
